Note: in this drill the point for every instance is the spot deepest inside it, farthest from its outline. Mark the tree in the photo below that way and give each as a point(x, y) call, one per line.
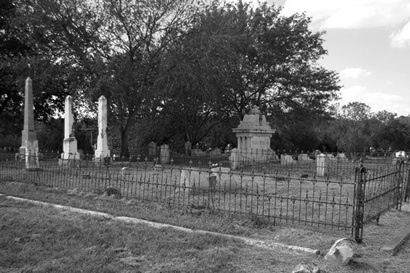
point(397, 133)
point(18, 60)
point(118, 44)
point(385, 116)
point(357, 111)
point(237, 56)
point(276, 63)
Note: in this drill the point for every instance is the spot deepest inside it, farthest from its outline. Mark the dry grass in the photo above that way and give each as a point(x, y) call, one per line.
point(39, 240)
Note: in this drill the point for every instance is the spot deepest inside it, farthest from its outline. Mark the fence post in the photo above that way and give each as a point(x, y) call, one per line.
point(400, 182)
point(359, 210)
point(406, 190)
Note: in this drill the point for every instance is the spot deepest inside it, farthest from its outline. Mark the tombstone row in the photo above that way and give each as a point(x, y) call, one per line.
point(29, 150)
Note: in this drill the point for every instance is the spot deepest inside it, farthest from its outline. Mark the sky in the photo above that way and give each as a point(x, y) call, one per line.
point(368, 44)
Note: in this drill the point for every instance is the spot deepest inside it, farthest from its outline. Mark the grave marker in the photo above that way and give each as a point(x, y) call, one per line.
point(102, 139)
point(70, 142)
point(29, 142)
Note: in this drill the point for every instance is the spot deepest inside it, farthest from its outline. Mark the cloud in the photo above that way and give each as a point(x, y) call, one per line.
point(401, 38)
point(349, 14)
point(354, 72)
point(376, 100)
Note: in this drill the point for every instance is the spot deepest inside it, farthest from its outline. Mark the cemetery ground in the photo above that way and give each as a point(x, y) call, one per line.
point(44, 239)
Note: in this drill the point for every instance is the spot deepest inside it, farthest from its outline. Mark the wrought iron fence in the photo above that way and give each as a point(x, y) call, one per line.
point(279, 197)
point(377, 192)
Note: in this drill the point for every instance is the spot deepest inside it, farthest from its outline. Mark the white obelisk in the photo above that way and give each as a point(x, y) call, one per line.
point(102, 140)
point(29, 142)
point(69, 143)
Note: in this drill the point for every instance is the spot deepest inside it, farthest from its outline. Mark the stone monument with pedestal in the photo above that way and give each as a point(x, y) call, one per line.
point(102, 141)
point(253, 134)
point(70, 143)
point(29, 142)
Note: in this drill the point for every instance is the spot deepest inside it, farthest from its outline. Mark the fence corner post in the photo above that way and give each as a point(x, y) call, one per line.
point(360, 198)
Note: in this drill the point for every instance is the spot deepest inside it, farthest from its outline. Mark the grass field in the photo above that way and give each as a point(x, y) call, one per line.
point(39, 239)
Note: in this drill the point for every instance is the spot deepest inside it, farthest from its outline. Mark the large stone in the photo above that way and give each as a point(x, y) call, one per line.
point(306, 268)
point(342, 251)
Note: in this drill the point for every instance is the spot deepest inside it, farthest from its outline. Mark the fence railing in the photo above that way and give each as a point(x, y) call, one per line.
point(377, 192)
point(279, 197)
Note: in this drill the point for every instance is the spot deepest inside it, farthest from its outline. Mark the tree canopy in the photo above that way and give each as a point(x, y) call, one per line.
point(189, 69)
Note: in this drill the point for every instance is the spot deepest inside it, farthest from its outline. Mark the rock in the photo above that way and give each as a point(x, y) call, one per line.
point(342, 251)
point(113, 191)
point(307, 268)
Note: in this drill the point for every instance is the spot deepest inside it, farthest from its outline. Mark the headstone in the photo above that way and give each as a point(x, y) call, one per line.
point(125, 171)
point(152, 148)
point(164, 154)
point(184, 178)
point(341, 157)
point(216, 152)
point(69, 143)
point(199, 182)
point(197, 152)
point(330, 157)
point(228, 149)
point(342, 251)
point(188, 148)
point(286, 160)
point(102, 139)
point(304, 158)
point(321, 165)
point(29, 142)
point(400, 154)
point(233, 158)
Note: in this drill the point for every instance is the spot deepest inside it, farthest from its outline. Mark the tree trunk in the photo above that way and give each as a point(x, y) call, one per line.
point(124, 142)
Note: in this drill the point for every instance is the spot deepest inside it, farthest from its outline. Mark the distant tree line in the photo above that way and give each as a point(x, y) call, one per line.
point(176, 71)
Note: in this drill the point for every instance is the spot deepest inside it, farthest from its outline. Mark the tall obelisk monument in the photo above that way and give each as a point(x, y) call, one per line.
point(29, 143)
point(70, 143)
point(102, 140)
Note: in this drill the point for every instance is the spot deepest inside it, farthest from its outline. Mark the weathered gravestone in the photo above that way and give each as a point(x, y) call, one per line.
point(102, 150)
point(321, 165)
point(219, 178)
point(342, 251)
point(304, 158)
point(29, 142)
point(287, 159)
point(69, 143)
point(188, 148)
point(152, 148)
point(164, 154)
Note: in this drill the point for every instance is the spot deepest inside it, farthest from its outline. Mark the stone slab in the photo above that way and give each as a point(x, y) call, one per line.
point(394, 245)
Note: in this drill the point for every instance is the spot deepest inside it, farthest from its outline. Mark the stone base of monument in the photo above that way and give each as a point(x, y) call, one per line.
point(245, 157)
point(70, 149)
point(102, 160)
point(69, 162)
point(30, 156)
